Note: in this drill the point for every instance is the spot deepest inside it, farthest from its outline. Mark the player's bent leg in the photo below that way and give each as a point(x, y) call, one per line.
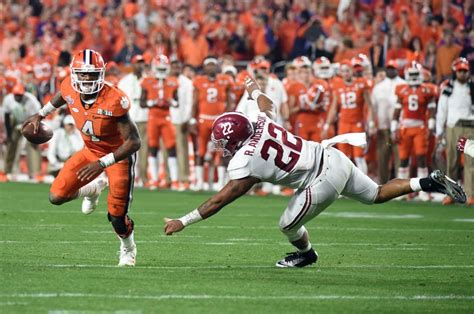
point(121, 180)
point(66, 186)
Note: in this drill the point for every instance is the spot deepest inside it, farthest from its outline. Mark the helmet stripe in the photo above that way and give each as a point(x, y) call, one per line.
point(87, 56)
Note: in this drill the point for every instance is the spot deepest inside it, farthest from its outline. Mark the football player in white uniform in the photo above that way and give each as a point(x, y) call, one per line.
point(466, 146)
point(264, 151)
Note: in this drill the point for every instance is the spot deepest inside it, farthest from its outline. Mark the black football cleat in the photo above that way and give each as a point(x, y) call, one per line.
point(298, 259)
point(444, 184)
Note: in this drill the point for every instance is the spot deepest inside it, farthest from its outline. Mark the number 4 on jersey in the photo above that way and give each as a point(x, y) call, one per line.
point(88, 129)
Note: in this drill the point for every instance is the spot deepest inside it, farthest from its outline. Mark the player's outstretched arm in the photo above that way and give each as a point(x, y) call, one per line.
point(129, 132)
point(231, 191)
point(55, 102)
point(265, 104)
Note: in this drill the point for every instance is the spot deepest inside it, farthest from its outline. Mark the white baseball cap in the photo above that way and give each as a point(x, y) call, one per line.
point(68, 120)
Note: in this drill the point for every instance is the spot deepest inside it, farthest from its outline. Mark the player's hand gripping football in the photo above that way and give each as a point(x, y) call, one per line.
point(251, 85)
point(172, 226)
point(89, 171)
point(461, 144)
point(35, 120)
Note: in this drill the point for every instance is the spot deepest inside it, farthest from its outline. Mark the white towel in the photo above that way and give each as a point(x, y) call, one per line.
point(469, 148)
point(354, 139)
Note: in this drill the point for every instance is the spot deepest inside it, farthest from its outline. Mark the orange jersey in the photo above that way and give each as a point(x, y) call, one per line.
point(160, 95)
point(350, 99)
point(42, 67)
point(97, 122)
point(414, 100)
point(212, 94)
point(298, 91)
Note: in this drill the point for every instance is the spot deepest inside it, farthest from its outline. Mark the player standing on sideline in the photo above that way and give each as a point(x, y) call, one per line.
point(414, 99)
point(212, 97)
point(111, 139)
point(349, 96)
point(159, 93)
point(265, 151)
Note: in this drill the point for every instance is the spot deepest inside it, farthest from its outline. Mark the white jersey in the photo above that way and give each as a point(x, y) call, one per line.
point(275, 155)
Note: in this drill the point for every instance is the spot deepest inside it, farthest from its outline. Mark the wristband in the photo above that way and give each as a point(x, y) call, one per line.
point(431, 123)
point(107, 160)
point(256, 93)
point(47, 109)
point(325, 127)
point(190, 218)
point(394, 126)
point(192, 121)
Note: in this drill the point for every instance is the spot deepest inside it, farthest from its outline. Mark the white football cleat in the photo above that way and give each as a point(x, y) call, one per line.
point(89, 203)
point(127, 256)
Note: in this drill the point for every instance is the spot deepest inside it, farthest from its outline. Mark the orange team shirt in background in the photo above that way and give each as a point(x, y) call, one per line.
point(350, 99)
point(161, 93)
point(295, 90)
point(414, 101)
point(97, 122)
point(212, 94)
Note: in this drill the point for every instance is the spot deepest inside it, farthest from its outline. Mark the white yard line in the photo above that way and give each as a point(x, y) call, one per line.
point(160, 297)
point(261, 266)
point(242, 227)
point(463, 220)
point(241, 243)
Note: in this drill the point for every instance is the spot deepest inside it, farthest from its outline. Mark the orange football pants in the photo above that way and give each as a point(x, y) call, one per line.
point(309, 127)
point(415, 139)
point(204, 135)
point(161, 128)
point(121, 179)
point(349, 150)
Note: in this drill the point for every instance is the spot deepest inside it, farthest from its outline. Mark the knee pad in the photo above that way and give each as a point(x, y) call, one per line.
point(123, 225)
point(294, 233)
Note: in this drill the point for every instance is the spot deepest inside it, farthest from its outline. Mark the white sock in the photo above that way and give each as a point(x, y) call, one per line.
point(415, 184)
point(221, 171)
point(199, 175)
point(422, 172)
point(129, 241)
point(152, 165)
point(89, 189)
point(361, 164)
point(403, 172)
point(173, 168)
point(306, 249)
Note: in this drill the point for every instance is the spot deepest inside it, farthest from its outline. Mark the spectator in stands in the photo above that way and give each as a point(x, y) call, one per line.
point(65, 142)
point(131, 85)
point(193, 48)
point(429, 58)
point(17, 106)
point(455, 118)
point(468, 53)
point(446, 53)
point(384, 101)
point(128, 51)
point(239, 44)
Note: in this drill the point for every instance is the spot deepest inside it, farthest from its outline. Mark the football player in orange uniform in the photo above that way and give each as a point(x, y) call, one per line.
point(411, 133)
point(100, 112)
point(350, 94)
point(159, 92)
point(309, 96)
point(212, 97)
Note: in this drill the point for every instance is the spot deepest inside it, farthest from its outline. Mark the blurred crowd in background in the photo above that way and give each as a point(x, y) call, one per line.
point(285, 44)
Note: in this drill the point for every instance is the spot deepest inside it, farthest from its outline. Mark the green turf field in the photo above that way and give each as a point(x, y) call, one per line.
point(408, 257)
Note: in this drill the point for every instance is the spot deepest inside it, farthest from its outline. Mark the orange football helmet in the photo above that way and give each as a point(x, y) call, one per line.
point(87, 72)
point(413, 73)
point(322, 68)
point(160, 65)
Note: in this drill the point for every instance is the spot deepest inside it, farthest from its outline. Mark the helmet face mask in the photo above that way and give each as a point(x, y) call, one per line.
point(87, 72)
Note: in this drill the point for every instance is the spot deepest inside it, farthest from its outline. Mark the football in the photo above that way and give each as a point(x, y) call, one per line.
point(44, 133)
